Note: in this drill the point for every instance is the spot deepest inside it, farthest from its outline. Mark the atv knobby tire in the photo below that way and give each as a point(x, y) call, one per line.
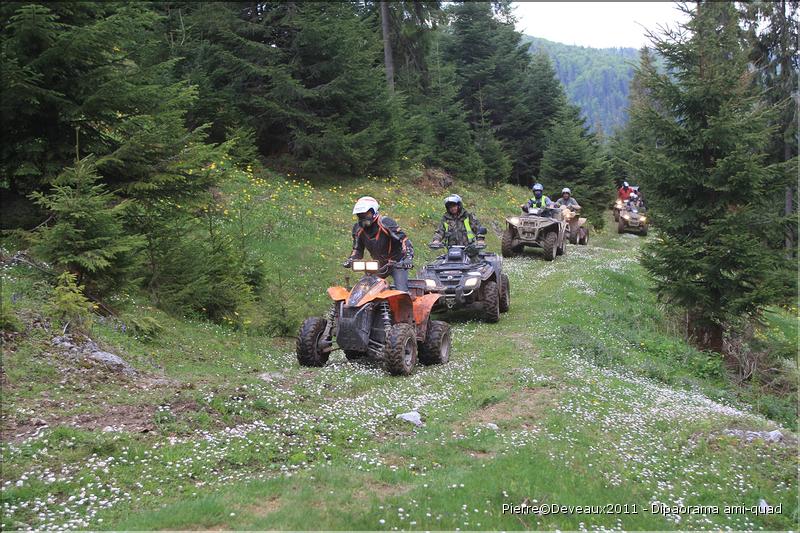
point(491, 301)
point(621, 225)
point(549, 245)
point(506, 244)
point(436, 348)
point(308, 340)
point(352, 355)
point(584, 239)
point(400, 354)
point(505, 296)
point(644, 231)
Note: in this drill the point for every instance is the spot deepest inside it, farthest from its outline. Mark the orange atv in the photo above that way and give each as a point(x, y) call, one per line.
point(375, 321)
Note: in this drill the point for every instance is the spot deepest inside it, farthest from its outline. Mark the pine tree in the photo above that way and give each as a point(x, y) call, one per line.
point(86, 237)
point(451, 144)
point(706, 176)
point(543, 97)
point(772, 31)
point(574, 160)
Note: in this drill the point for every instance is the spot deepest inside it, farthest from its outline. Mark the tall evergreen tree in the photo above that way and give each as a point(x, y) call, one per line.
point(574, 160)
point(706, 175)
point(491, 65)
point(773, 32)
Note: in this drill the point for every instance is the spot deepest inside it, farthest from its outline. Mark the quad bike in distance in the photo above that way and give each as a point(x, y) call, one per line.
point(632, 219)
point(468, 278)
point(543, 228)
point(373, 320)
point(577, 229)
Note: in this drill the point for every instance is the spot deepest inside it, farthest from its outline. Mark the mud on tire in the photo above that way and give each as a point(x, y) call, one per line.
point(491, 301)
point(308, 353)
point(505, 295)
point(549, 245)
point(400, 354)
point(506, 243)
point(436, 348)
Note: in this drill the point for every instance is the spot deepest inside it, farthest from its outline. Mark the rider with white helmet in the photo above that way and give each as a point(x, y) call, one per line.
point(384, 240)
point(460, 225)
point(567, 200)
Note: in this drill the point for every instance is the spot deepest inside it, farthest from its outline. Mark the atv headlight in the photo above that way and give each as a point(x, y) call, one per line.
point(430, 283)
point(513, 221)
point(644, 219)
point(359, 266)
point(618, 204)
point(372, 266)
point(626, 217)
point(471, 282)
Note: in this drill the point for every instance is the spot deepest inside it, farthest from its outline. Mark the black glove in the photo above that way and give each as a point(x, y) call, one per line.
point(348, 262)
point(404, 264)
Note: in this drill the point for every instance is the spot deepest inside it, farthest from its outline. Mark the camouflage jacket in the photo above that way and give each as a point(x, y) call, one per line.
point(463, 228)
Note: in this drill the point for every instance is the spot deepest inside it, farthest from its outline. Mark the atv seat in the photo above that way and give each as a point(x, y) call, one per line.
point(416, 288)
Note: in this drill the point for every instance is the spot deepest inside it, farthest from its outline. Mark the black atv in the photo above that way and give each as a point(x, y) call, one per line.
point(468, 278)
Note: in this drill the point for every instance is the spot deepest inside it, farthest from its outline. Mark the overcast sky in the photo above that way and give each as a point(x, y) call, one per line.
point(595, 24)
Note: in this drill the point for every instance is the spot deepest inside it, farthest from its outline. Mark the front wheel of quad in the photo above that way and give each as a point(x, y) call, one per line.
point(506, 244)
point(550, 246)
point(621, 226)
point(436, 348)
point(309, 351)
point(400, 354)
point(491, 301)
point(644, 231)
point(505, 296)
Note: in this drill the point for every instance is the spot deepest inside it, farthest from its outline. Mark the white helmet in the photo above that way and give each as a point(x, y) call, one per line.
point(364, 204)
point(625, 184)
point(566, 189)
point(537, 187)
point(452, 199)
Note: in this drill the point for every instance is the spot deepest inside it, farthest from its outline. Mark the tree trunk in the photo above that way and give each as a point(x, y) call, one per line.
point(703, 333)
point(387, 46)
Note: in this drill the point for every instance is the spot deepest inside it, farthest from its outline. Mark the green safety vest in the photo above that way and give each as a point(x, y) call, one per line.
point(542, 202)
point(470, 234)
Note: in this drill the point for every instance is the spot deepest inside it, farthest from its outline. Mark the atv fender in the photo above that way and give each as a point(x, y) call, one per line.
point(338, 293)
point(401, 305)
point(422, 311)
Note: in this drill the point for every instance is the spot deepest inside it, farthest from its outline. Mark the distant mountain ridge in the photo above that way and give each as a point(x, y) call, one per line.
point(596, 79)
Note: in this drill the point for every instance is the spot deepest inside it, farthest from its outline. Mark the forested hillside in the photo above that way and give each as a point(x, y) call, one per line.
point(595, 79)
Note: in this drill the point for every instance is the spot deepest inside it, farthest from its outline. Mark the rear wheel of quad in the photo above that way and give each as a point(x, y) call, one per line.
point(400, 354)
point(352, 355)
point(506, 243)
point(436, 348)
point(505, 296)
point(584, 236)
point(491, 301)
point(309, 340)
point(549, 245)
point(621, 226)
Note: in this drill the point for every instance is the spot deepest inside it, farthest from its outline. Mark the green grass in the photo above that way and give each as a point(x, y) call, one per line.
point(597, 398)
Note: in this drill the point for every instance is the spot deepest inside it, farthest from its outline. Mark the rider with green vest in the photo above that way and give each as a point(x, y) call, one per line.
point(539, 200)
point(458, 224)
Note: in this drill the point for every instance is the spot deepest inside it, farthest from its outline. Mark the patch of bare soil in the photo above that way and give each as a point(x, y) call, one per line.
point(381, 490)
point(523, 408)
point(265, 507)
